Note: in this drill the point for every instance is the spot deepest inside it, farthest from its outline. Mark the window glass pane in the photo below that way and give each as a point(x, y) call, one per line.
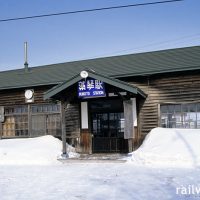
point(9, 110)
point(164, 120)
point(34, 109)
point(164, 109)
point(177, 108)
point(112, 116)
point(170, 116)
point(24, 109)
point(186, 124)
point(55, 108)
point(17, 110)
point(178, 117)
point(39, 108)
point(45, 108)
point(198, 107)
point(193, 124)
point(198, 116)
point(122, 124)
point(186, 116)
point(8, 126)
point(50, 108)
point(185, 108)
point(193, 116)
point(171, 108)
point(198, 124)
point(192, 107)
point(172, 121)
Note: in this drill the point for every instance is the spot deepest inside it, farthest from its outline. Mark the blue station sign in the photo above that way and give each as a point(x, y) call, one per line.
point(91, 88)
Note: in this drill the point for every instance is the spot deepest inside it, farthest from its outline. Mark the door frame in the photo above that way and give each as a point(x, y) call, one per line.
point(120, 144)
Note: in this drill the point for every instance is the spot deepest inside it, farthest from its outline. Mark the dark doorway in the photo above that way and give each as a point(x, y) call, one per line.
point(107, 126)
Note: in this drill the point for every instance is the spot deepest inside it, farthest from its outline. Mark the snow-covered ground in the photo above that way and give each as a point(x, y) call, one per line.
point(29, 170)
point(90, 181)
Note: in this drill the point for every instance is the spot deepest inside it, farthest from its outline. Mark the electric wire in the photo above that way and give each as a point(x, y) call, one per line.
point(88, 10)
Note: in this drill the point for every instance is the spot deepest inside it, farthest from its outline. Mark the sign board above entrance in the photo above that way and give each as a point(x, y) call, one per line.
point(91, 88)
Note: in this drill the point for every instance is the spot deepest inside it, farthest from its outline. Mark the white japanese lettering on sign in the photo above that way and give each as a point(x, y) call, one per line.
point(91, 88)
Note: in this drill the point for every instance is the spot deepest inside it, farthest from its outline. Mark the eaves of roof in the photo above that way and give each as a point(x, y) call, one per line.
point(111, 81)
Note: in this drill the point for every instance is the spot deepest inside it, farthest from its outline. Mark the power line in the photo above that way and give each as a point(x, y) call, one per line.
point(138, 48)
point(88, 10)
point(160, 43)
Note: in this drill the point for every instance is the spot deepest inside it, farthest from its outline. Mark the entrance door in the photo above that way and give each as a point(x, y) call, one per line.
point(108, 132)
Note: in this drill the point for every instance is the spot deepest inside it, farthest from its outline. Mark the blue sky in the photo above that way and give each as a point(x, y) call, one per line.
point(97, 34)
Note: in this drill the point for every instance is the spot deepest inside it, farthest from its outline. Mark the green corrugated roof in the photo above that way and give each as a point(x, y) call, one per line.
point(112, 81)
point(172, 60)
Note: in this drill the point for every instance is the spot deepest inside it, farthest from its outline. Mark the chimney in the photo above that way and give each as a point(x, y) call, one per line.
point(25, 57)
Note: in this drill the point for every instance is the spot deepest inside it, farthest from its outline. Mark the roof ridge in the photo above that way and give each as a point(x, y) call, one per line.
point(149, 63)
point(107, 57)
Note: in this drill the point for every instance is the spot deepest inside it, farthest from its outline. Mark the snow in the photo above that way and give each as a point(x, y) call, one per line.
point(29, 169)
point(90, 181)
point(172, 147)
point(32, 151)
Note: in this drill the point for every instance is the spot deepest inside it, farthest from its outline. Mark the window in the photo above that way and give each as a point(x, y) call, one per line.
point(40, 119)
point(16, 121)
point(180, 115)
point(45, 108)
point(46, 120)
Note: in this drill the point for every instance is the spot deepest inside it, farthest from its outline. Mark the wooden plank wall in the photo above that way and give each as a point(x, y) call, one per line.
point(16, 96)
point(85, 141)
point(72, 117)
point(12, 97)
point(169, 88)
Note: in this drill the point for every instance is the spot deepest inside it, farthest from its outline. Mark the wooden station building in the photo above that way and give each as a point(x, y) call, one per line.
point(105, 104)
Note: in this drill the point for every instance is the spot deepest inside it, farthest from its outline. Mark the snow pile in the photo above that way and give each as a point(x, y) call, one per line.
point(71, 152)
point(32, 151)
point(172, 147)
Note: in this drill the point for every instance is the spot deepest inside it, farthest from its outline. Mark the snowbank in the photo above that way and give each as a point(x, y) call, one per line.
point(32, 151)
point(172, 147)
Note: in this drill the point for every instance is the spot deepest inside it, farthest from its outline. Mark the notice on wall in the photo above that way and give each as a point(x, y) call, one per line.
point(91, 88)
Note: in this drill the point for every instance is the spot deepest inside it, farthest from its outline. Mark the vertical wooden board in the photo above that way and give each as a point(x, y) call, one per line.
point(63, 126)
point(128, 120)
point(86, 141)
point(72, 121)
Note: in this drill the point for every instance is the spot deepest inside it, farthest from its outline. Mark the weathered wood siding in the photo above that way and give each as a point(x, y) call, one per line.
point(169, 88)
point(72, 117)
point(86, 141)
point(16, 96)
point(27, 123)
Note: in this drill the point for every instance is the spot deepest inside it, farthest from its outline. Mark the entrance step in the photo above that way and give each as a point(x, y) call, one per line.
point(97, 158)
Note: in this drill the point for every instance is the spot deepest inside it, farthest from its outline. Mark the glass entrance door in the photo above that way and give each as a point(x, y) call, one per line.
point(108, 132)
